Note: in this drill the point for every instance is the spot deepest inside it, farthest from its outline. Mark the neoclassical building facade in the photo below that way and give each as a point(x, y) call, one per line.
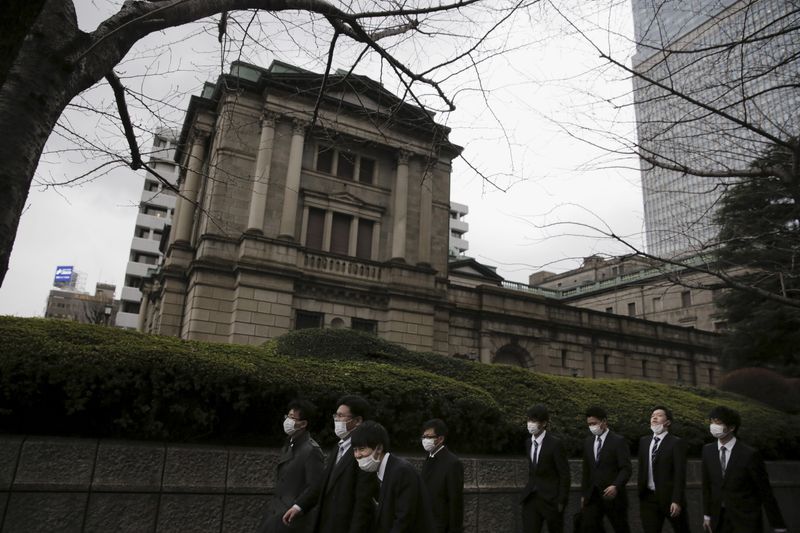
point(302, 207)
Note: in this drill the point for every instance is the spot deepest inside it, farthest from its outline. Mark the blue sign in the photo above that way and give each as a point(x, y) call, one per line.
point(63, 274)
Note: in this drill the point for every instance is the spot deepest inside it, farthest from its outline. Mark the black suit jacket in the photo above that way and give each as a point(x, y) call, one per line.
point(743, 491)
point(403, 504)
point(669, 470)
point(613, 468)
point(443, 475)
point(299, 468)
point(343, 497)
point(549, 479)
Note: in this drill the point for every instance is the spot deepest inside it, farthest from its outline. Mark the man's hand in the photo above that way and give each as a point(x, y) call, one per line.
point(290, 515)
point(610, 493)
point(674, 510)
point(707, 525)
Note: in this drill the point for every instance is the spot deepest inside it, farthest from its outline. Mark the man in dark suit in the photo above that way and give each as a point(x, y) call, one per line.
point(443, 475)
point(403, 502)
point(544, 497)
point(662, 476)
point(299, 468)
point(344, 494)
point(606, 470)
point(735, 481)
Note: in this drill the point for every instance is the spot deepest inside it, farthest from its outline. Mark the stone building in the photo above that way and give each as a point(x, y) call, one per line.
point(300, 210)
point(640, 288)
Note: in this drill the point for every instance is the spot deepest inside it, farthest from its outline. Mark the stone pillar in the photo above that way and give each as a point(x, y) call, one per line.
point(352, 244)
point(327, 225)
point(258, 198)
point(191, 188)
point(292, 190)
point(400, 206)
point(376, 241)
point(425, 218)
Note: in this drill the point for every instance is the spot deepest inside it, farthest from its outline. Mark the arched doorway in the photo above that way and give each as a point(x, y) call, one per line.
point(512, 354)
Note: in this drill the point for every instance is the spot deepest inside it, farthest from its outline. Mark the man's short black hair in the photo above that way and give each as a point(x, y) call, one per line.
point(597, 412)
point(437, 425)
point(539, 413)
point(368, 435)
point(358, 406)
point(305, 409)
point(667, 412)
point(727, 416)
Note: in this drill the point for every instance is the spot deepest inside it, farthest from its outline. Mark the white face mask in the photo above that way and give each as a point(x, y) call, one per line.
point(289, 426)
point(429, 444)
point(718, 431)
point(658, 429)
point(534, 428)
point(340, 428)
point(369, 463)
point(596, 430)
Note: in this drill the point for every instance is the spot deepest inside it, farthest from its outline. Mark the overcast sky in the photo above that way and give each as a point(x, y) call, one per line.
point(545, 110)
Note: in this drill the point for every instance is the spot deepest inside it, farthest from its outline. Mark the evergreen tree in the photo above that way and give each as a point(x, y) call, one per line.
point(759, 221)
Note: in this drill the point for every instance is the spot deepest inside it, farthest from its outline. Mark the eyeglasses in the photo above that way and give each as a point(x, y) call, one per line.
point(337, 416)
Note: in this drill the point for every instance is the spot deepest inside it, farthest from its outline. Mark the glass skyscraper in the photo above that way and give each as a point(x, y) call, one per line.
point(718, 82)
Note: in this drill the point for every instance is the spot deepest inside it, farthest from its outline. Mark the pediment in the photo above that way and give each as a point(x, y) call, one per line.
point(347, 198)
point(361, 100)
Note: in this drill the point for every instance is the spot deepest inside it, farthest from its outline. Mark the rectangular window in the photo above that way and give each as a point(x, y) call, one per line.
point(325, 159)
point(563, 359)
point(644, 368)
point(679, 372)
point(346, 165)
point(315, 228)
point(632, 309)
point(151, 186)
point(364, 244)
point(366, 170)
point(605, 363)
point(657, 304)
point(142, 233)
point(130, 307)
point(308, 320)
point(369, 326)
point(340, 233)
point(133, 281)
point(686, 299)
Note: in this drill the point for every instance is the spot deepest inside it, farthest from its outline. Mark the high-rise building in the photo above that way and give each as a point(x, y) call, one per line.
point(716, 86)
point(458, 228)
point(155, 212)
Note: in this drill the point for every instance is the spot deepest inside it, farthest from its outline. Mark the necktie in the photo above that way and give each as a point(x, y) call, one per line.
point(341, 451)
point(655, 450)
point(722, 459)
point(535, 451)
point(597, 451)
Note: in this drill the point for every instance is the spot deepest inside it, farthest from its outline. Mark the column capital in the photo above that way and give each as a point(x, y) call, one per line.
point(299, 126)
point(199, 133)
point(403, 156)
point(269, 118)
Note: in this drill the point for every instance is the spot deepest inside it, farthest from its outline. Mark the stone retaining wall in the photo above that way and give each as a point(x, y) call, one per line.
point(53, 485)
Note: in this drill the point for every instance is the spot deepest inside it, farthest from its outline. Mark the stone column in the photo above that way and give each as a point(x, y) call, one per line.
point(292, 191)
point(258, 198)
point(327, 225)
point(425, 218)
point(353, 242)
point(191, 187)
point(376, 241)
point(400, 206)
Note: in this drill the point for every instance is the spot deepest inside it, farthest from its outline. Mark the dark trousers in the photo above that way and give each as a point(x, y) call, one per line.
point(597, 507)
point(653, 515)
point(537, 512)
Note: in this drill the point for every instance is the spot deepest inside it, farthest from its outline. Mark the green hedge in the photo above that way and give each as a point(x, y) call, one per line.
point(69, 379)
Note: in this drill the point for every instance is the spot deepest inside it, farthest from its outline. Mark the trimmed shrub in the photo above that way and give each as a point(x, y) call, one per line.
point(63, 378)
point(766, 386)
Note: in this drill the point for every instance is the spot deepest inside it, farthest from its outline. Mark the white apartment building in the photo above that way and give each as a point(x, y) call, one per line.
point(458, 227)
point(156, 207)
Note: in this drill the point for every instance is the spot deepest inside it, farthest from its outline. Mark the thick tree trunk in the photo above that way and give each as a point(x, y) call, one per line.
point(38, 87)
